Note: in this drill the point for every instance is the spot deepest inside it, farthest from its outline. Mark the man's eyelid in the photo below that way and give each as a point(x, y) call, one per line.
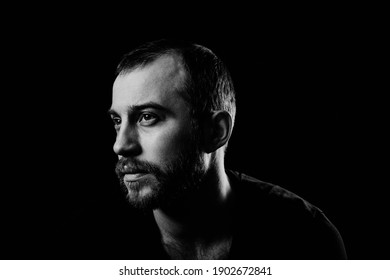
point(147, 113)
point(155, 112)
point(134, 114)
point(115, 118)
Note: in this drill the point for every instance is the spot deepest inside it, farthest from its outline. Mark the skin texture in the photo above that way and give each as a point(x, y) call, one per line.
point(196, 225)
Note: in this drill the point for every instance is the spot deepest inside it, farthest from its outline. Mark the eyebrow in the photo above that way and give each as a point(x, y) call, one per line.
point(140, 107)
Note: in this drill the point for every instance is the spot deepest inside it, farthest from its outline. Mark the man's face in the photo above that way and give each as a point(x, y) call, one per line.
point(159, 158)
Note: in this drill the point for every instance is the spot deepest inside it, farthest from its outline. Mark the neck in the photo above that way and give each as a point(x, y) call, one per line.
point(204, 219)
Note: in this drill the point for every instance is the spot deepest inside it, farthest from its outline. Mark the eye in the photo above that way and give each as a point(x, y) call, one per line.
point(147, 119)
point(117, 121)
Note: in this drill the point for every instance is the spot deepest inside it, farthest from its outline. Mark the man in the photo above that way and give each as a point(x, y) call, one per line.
point(173, 109)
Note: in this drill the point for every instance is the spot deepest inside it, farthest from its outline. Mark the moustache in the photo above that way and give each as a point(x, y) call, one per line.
point(126, 165)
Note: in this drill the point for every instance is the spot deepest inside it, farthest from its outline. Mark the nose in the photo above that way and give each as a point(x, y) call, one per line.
point(127, 142)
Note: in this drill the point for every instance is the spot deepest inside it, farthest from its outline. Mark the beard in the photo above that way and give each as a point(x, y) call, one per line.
point(168, 184)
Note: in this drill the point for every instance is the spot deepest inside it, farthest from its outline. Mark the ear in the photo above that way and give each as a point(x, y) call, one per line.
point(218, 129)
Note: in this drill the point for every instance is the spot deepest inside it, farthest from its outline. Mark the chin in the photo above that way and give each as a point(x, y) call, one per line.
point(144, 199)
point(142, 203)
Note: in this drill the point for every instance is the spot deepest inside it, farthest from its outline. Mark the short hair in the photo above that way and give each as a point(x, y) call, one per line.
point(208, 84)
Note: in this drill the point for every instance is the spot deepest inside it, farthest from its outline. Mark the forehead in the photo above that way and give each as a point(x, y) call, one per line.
point(159, 81)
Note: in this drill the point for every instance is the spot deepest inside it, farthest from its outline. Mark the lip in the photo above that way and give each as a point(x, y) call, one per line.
point(132, 177)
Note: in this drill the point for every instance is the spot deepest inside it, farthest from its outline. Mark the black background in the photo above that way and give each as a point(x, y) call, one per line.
point(311, 114)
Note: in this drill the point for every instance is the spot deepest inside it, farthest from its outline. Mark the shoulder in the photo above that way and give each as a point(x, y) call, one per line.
point(259, 194)
point(288, 222)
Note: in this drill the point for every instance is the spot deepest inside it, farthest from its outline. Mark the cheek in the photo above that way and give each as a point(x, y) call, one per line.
point(164, 145)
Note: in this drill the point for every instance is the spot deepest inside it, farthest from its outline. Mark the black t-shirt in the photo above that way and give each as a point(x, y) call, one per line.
point(269, 222)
